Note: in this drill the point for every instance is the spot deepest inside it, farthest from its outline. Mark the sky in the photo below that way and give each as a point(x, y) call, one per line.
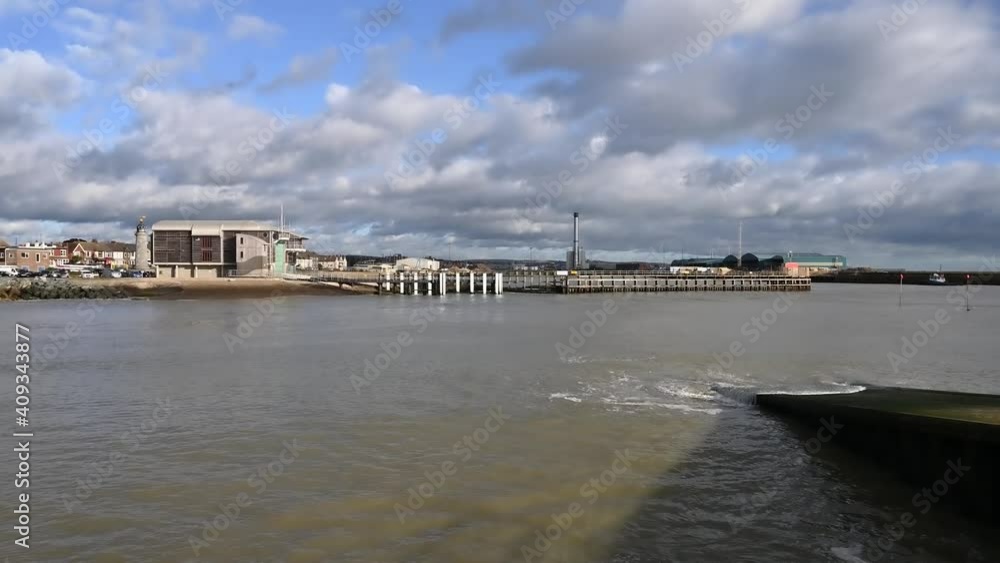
point(475, 128)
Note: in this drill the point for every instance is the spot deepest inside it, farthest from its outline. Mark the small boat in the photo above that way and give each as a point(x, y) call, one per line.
point(937, 278)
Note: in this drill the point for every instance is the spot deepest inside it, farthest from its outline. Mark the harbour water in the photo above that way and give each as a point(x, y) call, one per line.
point(605, 427)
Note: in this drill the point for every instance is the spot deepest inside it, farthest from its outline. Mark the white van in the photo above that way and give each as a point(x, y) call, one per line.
point(9, 271)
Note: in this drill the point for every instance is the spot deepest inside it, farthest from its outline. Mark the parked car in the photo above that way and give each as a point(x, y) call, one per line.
point(88, 275)
point(26, 274)
point(8, 271)
point(135, 274)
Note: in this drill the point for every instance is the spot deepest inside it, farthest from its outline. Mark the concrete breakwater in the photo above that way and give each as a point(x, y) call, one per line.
point(919, 434)
point(981, 277)
point(33, 289)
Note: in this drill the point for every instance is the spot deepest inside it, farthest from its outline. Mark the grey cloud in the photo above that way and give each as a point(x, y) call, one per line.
point(303, 69)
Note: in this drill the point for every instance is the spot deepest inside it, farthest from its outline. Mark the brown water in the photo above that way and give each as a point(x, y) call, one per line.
point(268, 426)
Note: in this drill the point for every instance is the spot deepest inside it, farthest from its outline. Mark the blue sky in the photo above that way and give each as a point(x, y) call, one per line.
point(664, 183)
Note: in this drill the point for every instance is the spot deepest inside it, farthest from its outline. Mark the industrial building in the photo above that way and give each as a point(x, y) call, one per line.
point(417, 265)
point(809, 263)
point(213, 249)
point(794, 263)
point(576, 259)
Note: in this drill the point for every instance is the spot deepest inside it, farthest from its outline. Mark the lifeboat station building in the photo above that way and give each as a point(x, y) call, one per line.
point(215, 249)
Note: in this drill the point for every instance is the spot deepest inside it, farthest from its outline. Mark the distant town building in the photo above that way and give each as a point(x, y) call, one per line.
point(34, 256)
point(334, 263)
point(109, 254)
point(212, 249)
point(417, 264)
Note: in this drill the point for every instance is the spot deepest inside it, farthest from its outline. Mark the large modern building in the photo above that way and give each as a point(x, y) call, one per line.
point(213, 249)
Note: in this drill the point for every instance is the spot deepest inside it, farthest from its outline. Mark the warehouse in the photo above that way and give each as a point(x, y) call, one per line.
point(213, 249)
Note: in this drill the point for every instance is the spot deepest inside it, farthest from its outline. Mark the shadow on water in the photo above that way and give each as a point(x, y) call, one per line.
point(763, 488)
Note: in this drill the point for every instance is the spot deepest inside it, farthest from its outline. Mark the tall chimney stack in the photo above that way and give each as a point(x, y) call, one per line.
point(576, 239)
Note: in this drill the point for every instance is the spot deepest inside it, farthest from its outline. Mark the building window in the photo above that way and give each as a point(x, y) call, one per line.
point(241, 242)
point(241, 255)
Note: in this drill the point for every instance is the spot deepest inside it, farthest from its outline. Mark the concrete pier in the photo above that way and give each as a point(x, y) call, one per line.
point(923, 436)
point(631, 281)
point(436, 283)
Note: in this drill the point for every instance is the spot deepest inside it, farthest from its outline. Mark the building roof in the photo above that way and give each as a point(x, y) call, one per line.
point(109, 246)
point(206, 225)
point(235, 225)
point(3, 243)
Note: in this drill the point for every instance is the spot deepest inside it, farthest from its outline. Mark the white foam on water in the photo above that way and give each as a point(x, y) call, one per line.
point(687, 390)
point(847, 390)
point(637, 402)
point(565, 397)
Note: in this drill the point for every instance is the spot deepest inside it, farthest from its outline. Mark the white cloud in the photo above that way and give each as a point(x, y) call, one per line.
point(244, 26)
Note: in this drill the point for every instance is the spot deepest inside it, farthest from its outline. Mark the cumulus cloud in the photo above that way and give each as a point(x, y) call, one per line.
point(736, 133)
point(246, 26)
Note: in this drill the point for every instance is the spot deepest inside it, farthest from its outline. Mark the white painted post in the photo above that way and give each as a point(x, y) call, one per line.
point(472, 282)
point(499, 284)
point(416, 283)
point(402, 282)
point(458, 282)
point(443, 280)
point(484, 283)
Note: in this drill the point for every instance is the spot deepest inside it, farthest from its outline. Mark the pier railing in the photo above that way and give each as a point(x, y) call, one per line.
point(442, 283)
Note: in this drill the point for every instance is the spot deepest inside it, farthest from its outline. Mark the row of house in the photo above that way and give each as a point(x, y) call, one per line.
point(37, 256)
